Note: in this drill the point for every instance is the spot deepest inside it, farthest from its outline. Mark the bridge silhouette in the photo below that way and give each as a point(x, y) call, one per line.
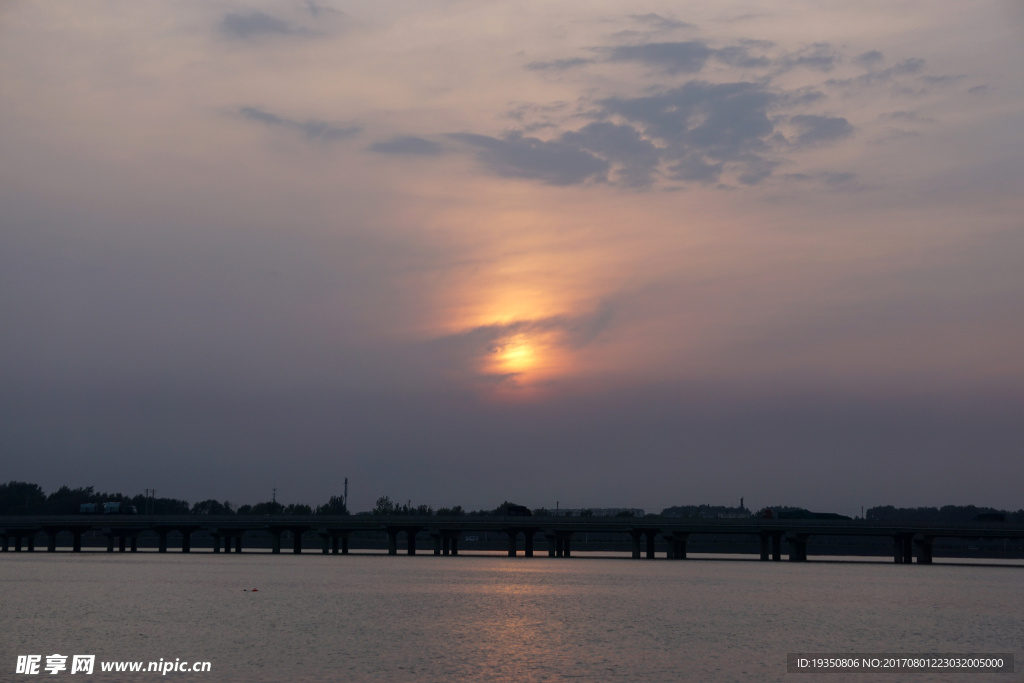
point(446, 532)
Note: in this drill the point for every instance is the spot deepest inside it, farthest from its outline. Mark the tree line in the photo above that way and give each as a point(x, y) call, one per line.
point(951, 514)
point(385, 506)
point(23, 498)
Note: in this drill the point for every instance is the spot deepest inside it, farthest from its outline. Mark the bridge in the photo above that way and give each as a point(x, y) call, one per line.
point(557, 532)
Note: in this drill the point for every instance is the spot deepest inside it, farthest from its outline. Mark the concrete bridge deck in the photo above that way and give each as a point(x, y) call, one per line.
point(446, 532)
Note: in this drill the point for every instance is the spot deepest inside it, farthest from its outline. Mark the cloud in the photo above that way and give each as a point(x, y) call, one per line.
point(835, 180)
point(906, 67)
point(317, 10)
point(558, 64)
point(725, 120)
point(254, 24)
point(312, 129)
point(688, 56)
point(623, 144)
point(869, 59)
point(696, 132)
point(407, 144)
point(464, 349)
point(739, 56)
point(657, 21)
point(815, 130)
point(819, 56)
point(695, 168)
point(905, 116)
point(943, 79)
point(682, 57)
point(554, 162)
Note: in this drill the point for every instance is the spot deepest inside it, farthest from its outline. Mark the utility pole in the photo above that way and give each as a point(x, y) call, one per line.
point(345, 499)
point(273, 498)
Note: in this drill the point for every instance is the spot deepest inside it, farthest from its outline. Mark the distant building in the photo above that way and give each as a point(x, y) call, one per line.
point(598, 512)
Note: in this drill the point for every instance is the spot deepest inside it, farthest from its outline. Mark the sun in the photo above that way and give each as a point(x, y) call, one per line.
point(515, 355)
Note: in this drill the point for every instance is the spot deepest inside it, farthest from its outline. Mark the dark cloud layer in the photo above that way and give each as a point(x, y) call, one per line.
point(558, 64)
point(697, 130)
point(700, 130)
point(407, 144)
point(319, 131)
point(820, 56)
point(686, 56)
point(815, 130)
point(702, 126)
point(554, 162)
point(658, 22)
point(254, 24)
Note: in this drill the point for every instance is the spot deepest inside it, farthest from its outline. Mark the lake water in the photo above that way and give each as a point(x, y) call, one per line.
point(371, 617)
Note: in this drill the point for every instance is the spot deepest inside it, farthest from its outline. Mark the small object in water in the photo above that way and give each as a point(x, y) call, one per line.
point(254, 590)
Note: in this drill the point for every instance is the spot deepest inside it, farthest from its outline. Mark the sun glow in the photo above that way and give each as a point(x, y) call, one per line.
point(516, 355)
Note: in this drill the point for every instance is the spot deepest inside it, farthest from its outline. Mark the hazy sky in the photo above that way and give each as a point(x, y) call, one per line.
point(602, 253)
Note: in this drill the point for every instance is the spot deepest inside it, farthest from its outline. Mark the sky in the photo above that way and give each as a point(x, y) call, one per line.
point(593, 254)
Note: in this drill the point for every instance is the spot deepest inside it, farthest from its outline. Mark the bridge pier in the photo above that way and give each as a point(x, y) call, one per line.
point(776, 546)
point(566, 543)
point(924, 550)
point(275, 541)
point(4, 536)
point(110, 542)
point(162, 547)
point(513, 539)
point(31, 542)
point(446, 545)
point(651, 534)
point(216, 542)
point(297, 541)
point(76, 543)
point(51, 541)
point(635, 534)
point(797, 547)
point(903, 548)
point(334, 544)
point(528, 551)
point(766, 542)
point(392, 541)
point(677, 545)
point(120, 543)
point(410, 539)
point(186, 540)
point(552, 543)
